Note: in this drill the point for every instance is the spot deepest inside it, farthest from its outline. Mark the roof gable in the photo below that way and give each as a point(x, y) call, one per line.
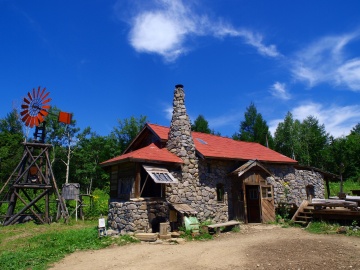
point(248, 165)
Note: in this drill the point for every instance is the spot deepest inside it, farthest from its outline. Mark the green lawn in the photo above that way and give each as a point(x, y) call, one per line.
point(31, 246)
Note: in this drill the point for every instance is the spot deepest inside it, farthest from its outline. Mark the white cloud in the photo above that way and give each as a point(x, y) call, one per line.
point(279, 90)
point(168, 112)
point(338, 120)
point(251, 38)
point(164, 27)
point(349, 73)
point(325, 61)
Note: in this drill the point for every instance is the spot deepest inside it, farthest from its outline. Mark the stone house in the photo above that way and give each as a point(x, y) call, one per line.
point(168, 173)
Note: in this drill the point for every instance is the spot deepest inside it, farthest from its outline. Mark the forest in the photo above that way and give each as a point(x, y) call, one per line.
point(76, 154)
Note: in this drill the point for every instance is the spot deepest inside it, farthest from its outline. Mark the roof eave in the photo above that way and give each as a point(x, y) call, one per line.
point(245, 159)
point(139, 160)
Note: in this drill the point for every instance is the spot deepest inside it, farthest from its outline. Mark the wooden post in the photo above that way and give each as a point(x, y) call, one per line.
point(163, 229)
point(137, 180)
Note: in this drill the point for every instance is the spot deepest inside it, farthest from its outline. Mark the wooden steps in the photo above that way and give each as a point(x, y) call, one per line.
point(304, 214)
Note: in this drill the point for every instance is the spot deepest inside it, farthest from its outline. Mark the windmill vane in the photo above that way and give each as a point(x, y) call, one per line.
point(35, 107)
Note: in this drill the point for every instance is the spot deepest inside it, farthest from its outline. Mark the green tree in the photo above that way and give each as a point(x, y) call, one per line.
point(287, 137)
point(12, 123)
point(254, 128)
point(11, 148)
point(314, 140)
point(127, 130)
point(91, 150)
point(64, 141)
point(352, 152)
point(201, 125)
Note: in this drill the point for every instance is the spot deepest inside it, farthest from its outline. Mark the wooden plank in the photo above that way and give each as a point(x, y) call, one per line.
point(229, 223)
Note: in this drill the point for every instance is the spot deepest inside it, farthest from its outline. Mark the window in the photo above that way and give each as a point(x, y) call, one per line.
point(220, 192)
point(201, 141)
point(155, 187)
point(253, 194)
point(266, 192)
point(160, 175)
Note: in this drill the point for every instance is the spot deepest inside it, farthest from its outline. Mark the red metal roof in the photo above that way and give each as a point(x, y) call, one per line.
point(212, 146)
point(149, 153)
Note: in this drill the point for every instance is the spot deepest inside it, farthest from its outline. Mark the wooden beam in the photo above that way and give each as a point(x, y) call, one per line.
point(10, 221)
point(137, 180)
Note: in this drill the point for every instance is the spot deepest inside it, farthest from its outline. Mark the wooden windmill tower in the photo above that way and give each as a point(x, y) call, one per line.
point(27, 191)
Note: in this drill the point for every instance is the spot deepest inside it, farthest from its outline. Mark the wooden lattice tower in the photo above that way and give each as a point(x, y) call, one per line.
point(33, 178)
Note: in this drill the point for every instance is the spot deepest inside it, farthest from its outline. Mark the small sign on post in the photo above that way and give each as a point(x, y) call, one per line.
point(102, 227)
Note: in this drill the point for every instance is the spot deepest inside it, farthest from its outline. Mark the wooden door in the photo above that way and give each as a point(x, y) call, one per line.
point(267, 204)
point(237, 201)
point(253, 203)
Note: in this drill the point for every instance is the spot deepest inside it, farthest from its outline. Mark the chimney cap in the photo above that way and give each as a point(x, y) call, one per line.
point(179, 86)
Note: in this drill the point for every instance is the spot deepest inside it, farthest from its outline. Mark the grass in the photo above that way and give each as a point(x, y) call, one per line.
point(348, 185)
point(31, 246)
point(321, 227)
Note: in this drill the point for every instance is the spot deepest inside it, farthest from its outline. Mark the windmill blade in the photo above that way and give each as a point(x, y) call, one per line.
point(25, 118)
point(46, 107)
point(40, 118)
point(28, 119)
point(43, 113)
point(26, 101)
point(22, 113)
point(45, 96)
point(24, 106)
point(38, 92)
point(30, 97)
point(46, 101)
point(42, 91)
point(34, 93)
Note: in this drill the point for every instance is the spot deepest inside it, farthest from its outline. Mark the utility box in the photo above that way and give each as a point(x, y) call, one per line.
point(71, 191)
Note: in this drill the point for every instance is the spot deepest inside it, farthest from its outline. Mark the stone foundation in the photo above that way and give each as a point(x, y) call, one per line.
point(131, 216)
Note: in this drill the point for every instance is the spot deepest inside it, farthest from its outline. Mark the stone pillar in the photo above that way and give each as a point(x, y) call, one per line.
point(180, 143)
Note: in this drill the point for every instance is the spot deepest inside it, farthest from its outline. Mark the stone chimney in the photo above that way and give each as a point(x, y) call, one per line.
point(180, 143)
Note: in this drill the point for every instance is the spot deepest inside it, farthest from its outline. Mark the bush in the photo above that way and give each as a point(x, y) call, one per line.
point(99, 205)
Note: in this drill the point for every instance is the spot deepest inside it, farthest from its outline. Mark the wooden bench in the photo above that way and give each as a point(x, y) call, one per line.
point(218, 226)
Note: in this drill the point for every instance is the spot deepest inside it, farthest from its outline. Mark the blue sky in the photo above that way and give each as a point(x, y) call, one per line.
point(105, 60)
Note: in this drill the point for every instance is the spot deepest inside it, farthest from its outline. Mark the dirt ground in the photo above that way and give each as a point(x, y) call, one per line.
point(254, 247)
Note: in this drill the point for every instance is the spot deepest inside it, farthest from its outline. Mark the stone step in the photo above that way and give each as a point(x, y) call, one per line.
point(149, 237)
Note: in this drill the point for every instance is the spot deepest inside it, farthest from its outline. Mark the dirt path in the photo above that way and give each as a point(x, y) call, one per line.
point(254, 247)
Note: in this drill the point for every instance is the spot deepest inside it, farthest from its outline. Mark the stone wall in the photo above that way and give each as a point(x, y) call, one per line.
point(131, 216)
point(290, 184)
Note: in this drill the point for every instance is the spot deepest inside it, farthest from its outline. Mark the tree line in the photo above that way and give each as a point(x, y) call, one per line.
point(76, 154)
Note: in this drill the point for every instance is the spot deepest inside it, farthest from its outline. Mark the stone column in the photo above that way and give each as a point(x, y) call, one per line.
point(180, 143)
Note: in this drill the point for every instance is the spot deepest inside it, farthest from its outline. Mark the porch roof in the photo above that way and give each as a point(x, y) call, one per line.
point(248, 165)
point(150, 153)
